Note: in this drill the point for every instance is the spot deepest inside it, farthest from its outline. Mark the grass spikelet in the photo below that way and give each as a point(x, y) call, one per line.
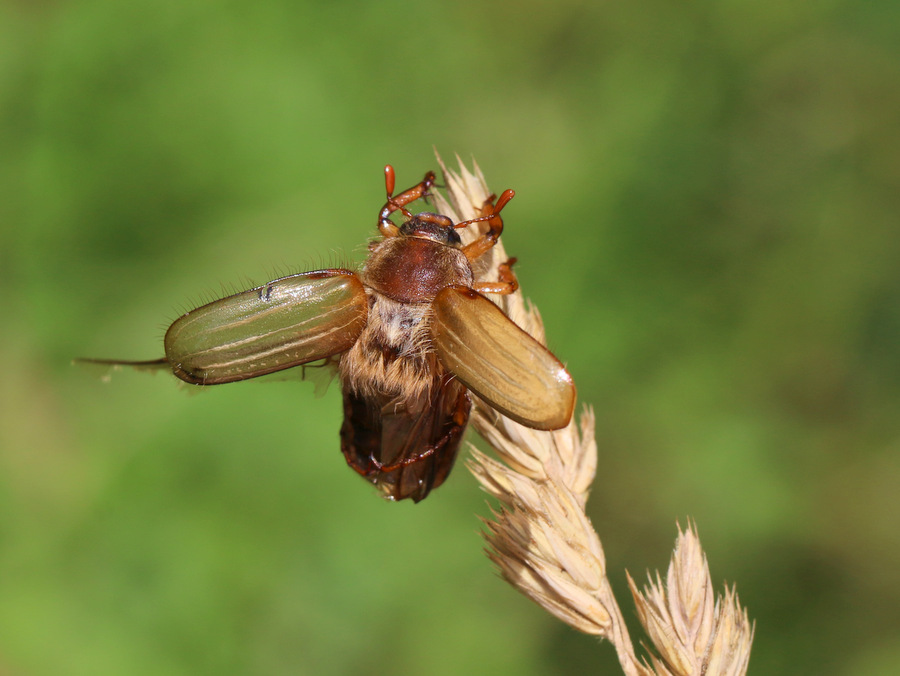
point(541, 539)
point(693, 631)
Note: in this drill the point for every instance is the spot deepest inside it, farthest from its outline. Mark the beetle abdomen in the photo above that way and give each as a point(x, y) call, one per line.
point(406, 447)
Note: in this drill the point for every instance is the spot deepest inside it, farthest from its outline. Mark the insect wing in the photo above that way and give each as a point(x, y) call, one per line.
point(110, 365)
point(499, 361)
point(287, 322)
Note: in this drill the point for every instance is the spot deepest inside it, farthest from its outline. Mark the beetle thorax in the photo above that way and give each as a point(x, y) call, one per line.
point(393, 355)
point(413, 269)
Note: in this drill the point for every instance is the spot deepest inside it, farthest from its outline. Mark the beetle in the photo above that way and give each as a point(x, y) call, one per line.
point(411, 333)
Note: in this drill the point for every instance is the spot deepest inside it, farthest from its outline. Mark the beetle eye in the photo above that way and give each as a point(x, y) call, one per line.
point(452, 236)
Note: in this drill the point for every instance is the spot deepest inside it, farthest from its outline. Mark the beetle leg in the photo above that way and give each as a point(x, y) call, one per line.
point(376, 466)
point(481, 245)
point(385, 225)
point(505, 285)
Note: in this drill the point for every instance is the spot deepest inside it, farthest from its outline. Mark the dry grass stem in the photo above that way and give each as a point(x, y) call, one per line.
point(541, 538)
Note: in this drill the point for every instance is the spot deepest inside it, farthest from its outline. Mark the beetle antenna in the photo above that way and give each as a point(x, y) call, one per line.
point(502, 202)
point(390, 180)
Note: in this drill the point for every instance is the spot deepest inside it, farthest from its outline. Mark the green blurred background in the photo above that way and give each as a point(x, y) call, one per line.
point(707, 216)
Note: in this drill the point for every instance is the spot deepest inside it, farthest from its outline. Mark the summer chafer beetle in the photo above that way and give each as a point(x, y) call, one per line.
point(410, 333)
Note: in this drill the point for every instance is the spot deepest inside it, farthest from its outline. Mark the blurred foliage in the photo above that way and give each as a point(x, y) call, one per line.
point(707, 216)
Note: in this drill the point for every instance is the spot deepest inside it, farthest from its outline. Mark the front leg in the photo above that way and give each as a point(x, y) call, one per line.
point(481, 245)
point(385, 224)
point(505, 285)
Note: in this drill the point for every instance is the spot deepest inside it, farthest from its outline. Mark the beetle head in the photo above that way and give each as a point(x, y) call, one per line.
point(431, 226)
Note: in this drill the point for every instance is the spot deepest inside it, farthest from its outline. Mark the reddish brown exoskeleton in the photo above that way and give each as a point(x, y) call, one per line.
point(410, 333)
